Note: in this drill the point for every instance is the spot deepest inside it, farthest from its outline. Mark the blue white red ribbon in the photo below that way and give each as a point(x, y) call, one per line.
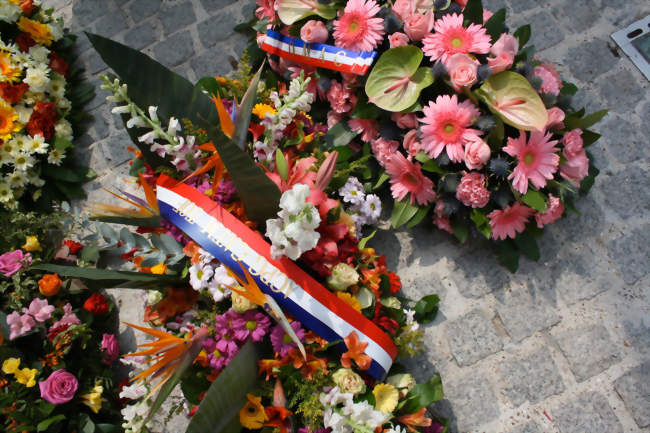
point(318, 55)
point(231, 242)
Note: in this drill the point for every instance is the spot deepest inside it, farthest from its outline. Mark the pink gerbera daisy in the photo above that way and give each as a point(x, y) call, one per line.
point(406, 177)
point(451, 38)
point(446, 126)
point(537, 159)
point(357, 29)
point(508, 222)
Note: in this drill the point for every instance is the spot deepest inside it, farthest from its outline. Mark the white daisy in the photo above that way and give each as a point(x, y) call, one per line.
point(37, 144)
point(5, 193)
point(22, 161)
point(17, 179)
point(55, 156)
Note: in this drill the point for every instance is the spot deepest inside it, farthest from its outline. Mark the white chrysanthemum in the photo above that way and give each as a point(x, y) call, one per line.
point(17, 179)
point(19, 143)
point(218, 285)
point(10, 148)
point(352, 192)
point(371, 208)
point(40, 53)
point(37, 144)
point(55, 156)
point(63, 129)
point(64, 105)
point(56, 86)
point(9, 12)
point(37, 78)
point(5, 193)
point(24, 113)
point(33, 178)
point(200, 275)
point(22, 161)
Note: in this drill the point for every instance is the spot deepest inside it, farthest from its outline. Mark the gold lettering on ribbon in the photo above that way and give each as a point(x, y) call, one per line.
point(292, 47)
point(322, 55)
point(336, 58)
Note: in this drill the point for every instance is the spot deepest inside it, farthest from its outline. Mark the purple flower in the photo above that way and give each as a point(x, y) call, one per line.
point(59, 388)
point(216, 358)
point(40, 309)
point(110, 348)
point(225, 192)
point(308, 429)
point(435, 427)
point(19, 325)
point(225, 334)
point(282, 342)
point(12, 261)
point(252, 324)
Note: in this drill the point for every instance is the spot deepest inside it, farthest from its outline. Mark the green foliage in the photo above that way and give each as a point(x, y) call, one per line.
point(535, 199)
point(495, 24)
point(473, 12)
point(303, 394)
point(403, 212)
point(426, 309)
point(423, 394)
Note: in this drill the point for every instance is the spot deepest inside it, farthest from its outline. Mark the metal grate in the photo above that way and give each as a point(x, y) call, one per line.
point(634, 40)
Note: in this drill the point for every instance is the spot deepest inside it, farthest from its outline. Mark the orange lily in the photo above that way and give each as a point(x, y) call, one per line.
point(266, 366)
point(277, 417)
point(416, 419)
point(355, 352)
point(309, 364)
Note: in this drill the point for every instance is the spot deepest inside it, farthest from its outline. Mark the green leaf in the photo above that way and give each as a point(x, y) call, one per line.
point(339, 135)
point(510, 96)
point(429, 164)
point(364, 109)
point(426, 308)
point(62, 143)
point(364, 241)
point(45, 424)
point(423, 394)
point(494, 25)
point(281, 164)
point(4, 327)
point(589, 137)
point(209, 85)
point(108, 277)
point(528, 245)
point(535, 199)
point(127, 238)
point(403, 211)
point(382, 178)
point(482, 223)
point(523, 35)
point(243, 119)
point(497, 135)
point(90, 253)
point(220, 407)
point(106, 428)
point(569, 89)
point(396, 80)
point(508, 254)
point(153, 221)
point(419, 216)
point(261, 197)
point(460, 229)
point(73, 175)
point(70, 190)
point(473, 12)
point(589, 181)
point(585, 122)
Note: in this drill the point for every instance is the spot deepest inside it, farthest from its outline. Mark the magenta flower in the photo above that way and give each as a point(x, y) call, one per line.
point(252, 324)
point(282, 342)
point(19, 325)
point(12, 261)
point(216, 359)
point(225, 332)
point(69, 318)
point(59, 388)
point(110, 348)
point(40, 309)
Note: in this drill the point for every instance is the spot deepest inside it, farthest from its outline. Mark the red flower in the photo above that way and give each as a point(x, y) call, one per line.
point(53, 332)
point(42, 120)
point(58, 64)
point(25, 42)
point(395, 282)
point(96, 304)
point(13, 93)
point(388, 324)
point(73, 247)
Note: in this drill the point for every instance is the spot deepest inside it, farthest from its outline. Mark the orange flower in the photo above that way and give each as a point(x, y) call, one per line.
point(177, 301)
point(266, 366)
point(416, 419)
point(307, 366)
point(277, 417)
point(395, 282)
point(38, 31)
point(252, 415)
point(355, 352)
point(49, 285)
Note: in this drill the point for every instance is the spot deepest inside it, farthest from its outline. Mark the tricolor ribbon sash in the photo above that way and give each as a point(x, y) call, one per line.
point(318, 55)
point(231, 242)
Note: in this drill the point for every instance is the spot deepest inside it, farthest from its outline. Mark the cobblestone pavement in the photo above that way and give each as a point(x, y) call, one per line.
point(562, 346)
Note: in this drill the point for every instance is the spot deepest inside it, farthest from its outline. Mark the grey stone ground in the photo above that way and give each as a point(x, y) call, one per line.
point(562, 346)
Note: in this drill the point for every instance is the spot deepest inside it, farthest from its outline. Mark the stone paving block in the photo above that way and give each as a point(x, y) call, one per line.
point(472, 337)
point(210, 63)
point(472, 401)
point(216, 29)
point(589, 350)
point(588, 413)
point(529, 427)
point(495, 5)
point(141, 10)
point(634, 389)
point(477, 275)
point(623, 141)
point(177, 17)
point(545, 31)
point(100, 124)
point(215, 5)
point(623, 90)
point(579, 14)
point(638, 335)
point(114, 148)
point(523, 315)
point(524, 5)
point(531, 377)
point(87, 11)
point(175, 49)
point(645, 125)
point(111, 24)
point(579, 59)
point(141, 36)
point(623, 194)
point(631, 254)
point(93, 62)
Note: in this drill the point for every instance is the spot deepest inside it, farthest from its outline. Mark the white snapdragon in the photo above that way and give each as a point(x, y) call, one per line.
point(294, 232)
point(133, 392)
point(411, 323)
point(343, 415)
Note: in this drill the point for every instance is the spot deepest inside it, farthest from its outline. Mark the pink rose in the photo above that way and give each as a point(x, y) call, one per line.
point(555, 118)
point(398, 39)
point(576, 168)
point(503, 52)
point(405, 121)
point(573, 144)
point(411, 143)
point(417, 25)
point(12, 261)
point(472, 191)
point(59, 388)
point(110, 348)
point(403, 8)
point(462, 71)
point(314, 31)
point(477, 153)
point(554, 210)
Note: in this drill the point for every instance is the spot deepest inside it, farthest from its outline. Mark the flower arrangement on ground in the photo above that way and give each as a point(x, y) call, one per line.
point(470, 130)
point(265, 286)
point(41, 97)
point(57, 344)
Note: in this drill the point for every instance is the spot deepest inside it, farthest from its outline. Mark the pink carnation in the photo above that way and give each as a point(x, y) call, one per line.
point(405, 120)
point(366, 127)
point(440, 218)
point(357, 29)
point(398, 39)
point(383, 150)
point(340, 97)
point(551, 82)
point(477, 153)
point(417, 25)
point(110, 348)
point(472, 191)
point(12, 261)
point(554, 211)
point(314, 31)
point(508, 222)
point(573, 143)
point(406, 177)
point(450, 37)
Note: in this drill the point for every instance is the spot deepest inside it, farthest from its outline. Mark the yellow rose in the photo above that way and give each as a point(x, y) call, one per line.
point(10, 365)
point(348, 381)
point(32, 244)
